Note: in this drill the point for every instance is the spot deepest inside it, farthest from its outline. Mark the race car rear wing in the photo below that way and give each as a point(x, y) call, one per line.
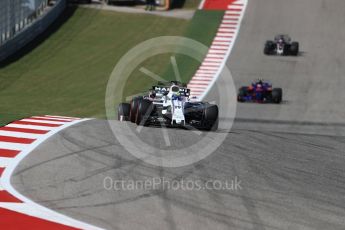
point(165, 90)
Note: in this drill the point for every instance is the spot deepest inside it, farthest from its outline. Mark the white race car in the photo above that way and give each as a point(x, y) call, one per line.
point(281, 45)
point(170, 105)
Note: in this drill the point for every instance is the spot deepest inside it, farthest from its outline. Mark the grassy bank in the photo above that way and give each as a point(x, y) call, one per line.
point(67, 73)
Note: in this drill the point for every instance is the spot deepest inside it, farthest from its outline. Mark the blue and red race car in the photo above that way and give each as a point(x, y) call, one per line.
point(260, 91)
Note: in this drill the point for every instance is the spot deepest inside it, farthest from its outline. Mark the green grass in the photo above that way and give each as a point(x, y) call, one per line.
point(67, 73)
point(161, 65)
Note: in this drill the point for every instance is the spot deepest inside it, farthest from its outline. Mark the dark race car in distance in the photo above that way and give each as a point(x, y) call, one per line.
point(260, 92)
point(282, 45)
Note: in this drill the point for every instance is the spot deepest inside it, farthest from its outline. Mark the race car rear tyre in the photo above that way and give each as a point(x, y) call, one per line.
point(123, 112)
point(294, 49)
point(269, 46)
point(210, 118)
point(242, 92)
point(133, 109)
point(277, 95)
point(143, 111)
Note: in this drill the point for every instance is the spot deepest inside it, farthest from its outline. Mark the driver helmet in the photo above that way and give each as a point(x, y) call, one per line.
point(152, 94)
point(175, 96)
point(260, 81)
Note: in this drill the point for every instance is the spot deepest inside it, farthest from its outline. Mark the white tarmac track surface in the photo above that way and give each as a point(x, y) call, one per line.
point(290, 158)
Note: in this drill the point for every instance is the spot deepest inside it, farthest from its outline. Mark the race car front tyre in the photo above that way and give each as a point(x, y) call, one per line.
point(277, 95)
point(143, 111)
point(269, 46)
point(133, 109)
point(242, 92)
point(294, 49)
point(123, 112)
point(210, 118)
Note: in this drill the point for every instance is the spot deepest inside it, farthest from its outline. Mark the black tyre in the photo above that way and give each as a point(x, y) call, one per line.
point(210, 118)
point(294, 49)
point(133, 109)
point(144, 110)
point(287, 50)
point(269, 46)
point(242, 92)
point(123, 111)
point(277, 95)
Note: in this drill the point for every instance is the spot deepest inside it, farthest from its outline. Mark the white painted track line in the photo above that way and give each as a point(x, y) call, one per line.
point(223, 39)
point(63, 117)
point(211, 64)
point(205, 76)
point(5, 161)
point(225, 30)
point(13, 146)
point(44, 121)
point(235, 6)
point(30, 127)
point(214, 56)
point(208, 68)
point(196, 82)
point(52, 118)
point(228, 26)
point(220, 43)
point(219, 47)
point(213, 60)
point(202, 79)
point(207, 71)
point(19, 134)
point(217, 51)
